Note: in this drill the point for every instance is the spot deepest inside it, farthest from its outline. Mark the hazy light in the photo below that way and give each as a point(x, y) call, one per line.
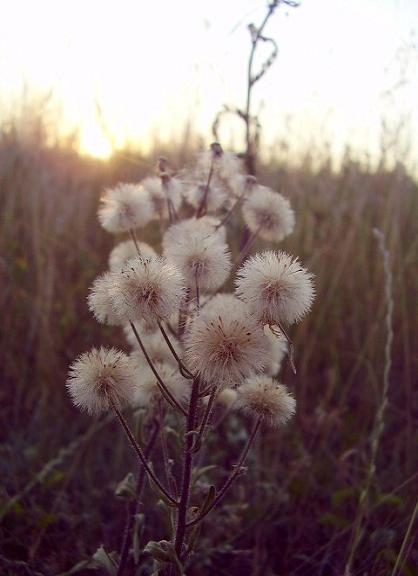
point(151, 67)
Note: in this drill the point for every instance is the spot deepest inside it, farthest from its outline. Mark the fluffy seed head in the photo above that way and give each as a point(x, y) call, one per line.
point(269, 214)
point(126, 251)
point(276, 287)
point(125, 207)
point(198, 252)
point(99, 378)
point(224, 345)
point(150, 290)
point(100, 301)
point(263, 396)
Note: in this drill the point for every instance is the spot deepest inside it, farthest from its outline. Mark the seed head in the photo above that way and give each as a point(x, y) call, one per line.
point(126, 251)
point(269, 214)
point(99, 378)
point(276, 287)
point(148, 290)
point(263, 396)
point(224, 345)
point(125, 207)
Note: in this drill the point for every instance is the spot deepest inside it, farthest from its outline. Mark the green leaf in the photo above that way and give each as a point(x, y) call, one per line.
point(341, 496)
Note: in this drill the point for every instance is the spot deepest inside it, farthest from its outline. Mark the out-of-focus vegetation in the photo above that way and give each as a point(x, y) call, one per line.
point(293, 513)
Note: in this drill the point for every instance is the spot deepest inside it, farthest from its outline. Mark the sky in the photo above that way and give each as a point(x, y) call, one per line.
point(151, 67)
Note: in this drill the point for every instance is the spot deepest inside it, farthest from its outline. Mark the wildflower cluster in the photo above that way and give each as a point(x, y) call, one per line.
point(206, 327)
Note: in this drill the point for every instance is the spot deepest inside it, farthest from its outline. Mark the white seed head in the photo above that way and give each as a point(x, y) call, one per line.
point(100, 301)
point(126, 251)
point(263, 396)
point(99, 378)
point(269, 214)
point(276, 287)
point(198, 252)
point(148, 290)
point(166, 195)
point(147, 391)
point(125, 207)
point(227, 397)
point(224, 345)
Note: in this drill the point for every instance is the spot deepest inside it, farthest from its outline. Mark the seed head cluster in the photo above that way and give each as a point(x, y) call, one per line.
point(233, 342)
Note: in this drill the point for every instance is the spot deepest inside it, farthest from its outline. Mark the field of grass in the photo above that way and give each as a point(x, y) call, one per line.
point(294, 512)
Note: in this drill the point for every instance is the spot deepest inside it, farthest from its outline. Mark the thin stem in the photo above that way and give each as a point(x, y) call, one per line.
point(135, 241)
point(185, 372)
point(163, 388)
point(196, 277)
point(202, 206)
point(291, 346)
point(187, 471)
point(132, 507)
point(140, 454)
point(184, 307)
point(232, 477)
point(205, 419)
point(405, 540)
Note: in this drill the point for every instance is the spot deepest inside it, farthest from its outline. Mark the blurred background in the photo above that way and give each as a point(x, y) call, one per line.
point(92, 93)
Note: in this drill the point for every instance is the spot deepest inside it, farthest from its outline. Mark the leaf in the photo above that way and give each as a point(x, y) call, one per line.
point(209, 499)
point(139, 520)
point(105, 560)
point(341, 496)
point(126, 488)
point(199, 472)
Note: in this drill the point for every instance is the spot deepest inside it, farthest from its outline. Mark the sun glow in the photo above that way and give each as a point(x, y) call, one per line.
point(137, 72)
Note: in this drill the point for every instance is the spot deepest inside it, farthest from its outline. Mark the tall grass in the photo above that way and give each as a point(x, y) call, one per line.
point(308, 480)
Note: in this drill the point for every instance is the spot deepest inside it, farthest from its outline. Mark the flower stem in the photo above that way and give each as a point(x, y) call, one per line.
point(187, 471)
point(231, 478)
point(140, 454)
point(184, 371)
point(135, 241)
point(133, 506)
point(164, 390)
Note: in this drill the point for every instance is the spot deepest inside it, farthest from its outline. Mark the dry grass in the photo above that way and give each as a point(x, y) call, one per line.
point(294, 513)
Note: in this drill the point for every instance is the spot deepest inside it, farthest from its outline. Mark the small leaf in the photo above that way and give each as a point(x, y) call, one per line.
point(105, 560)
point(126, 489)
point(209, 499)
point(139, 520)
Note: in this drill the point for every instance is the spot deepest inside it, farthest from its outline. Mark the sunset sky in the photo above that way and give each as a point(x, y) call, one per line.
point(342, 66)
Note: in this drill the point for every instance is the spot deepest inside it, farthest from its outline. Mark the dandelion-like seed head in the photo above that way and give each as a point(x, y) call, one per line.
point(216, 196)
point(224, 345)
point(198, 252)
point(100, 301)
point(125, 207)
point(276, 287)
point(269, 214)
point(126, 251)
point(100, 378)
point(262, 396)
point(148, 290)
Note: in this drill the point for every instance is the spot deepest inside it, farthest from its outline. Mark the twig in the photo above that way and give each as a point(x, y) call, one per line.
point(232, 477)
point(141, 455)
